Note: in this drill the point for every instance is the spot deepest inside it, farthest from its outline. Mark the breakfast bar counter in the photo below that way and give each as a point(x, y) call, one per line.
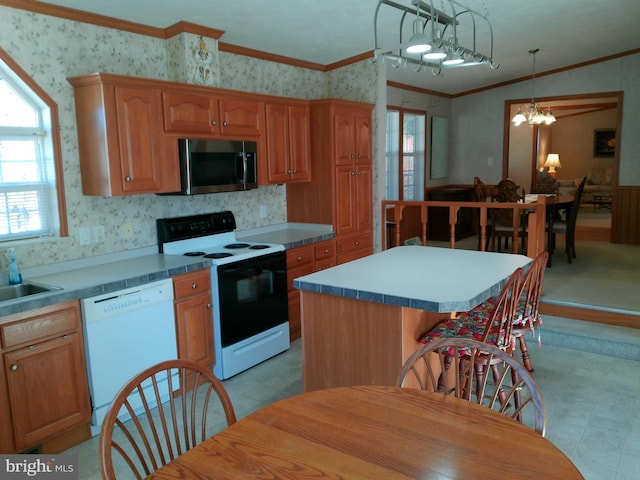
point(360, 320)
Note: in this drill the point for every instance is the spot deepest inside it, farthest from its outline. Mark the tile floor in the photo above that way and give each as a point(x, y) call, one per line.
point(592, 402)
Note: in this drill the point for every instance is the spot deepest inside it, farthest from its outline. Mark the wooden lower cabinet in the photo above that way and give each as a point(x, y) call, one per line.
point(303, 261)
point(44, 392)
point(194, 318)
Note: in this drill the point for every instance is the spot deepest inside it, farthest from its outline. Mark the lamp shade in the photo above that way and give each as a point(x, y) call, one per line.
point(553, 162)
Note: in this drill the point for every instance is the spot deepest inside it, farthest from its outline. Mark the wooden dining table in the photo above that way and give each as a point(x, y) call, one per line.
point(373, 432)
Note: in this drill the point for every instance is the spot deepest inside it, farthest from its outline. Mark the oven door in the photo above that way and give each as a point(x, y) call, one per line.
point(252, 296)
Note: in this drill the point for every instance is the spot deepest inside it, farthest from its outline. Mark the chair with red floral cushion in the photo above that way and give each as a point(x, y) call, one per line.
point(526, 318)
point(496, 332)
point(513, 391)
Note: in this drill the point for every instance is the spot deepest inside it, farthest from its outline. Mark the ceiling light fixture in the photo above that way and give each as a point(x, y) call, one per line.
point(532, 113)
point(433, 38)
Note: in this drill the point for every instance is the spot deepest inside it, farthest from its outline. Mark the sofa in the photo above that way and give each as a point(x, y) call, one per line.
point(599, 182)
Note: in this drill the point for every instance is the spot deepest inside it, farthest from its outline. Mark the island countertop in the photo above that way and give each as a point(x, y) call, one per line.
point(425, 278)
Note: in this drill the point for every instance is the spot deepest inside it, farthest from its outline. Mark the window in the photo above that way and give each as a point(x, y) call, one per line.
point(405, 139)
point(28, 186)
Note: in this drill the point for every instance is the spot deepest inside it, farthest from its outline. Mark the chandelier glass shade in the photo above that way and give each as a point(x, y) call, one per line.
point(533, 113)
point(437, 39)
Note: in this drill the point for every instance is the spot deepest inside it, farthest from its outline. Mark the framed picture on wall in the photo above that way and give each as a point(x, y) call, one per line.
point(604, 142)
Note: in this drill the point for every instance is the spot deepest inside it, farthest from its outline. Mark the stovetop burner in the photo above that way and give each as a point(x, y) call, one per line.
point(218, 255)
point(210, 237)
point(237, 245)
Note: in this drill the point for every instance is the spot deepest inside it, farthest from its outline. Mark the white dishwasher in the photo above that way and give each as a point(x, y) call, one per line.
point(126, 332)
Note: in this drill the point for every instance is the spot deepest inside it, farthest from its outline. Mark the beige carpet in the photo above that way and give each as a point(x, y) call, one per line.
point(604, 275)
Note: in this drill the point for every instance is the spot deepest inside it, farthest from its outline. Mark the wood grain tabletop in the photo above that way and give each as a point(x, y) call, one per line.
point(373, 432)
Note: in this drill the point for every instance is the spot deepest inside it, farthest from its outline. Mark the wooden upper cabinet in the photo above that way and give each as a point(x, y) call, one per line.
point(288, 143)
point(190, 114)
point(352, 137)
point(123, 149)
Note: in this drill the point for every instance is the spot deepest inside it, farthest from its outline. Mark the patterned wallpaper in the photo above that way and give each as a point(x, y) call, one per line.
point(51, 49)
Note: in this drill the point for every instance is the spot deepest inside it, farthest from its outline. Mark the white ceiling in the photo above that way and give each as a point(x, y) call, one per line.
point(567, 32)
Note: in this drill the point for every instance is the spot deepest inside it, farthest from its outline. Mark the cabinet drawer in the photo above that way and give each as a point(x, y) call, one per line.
point(354, 242)
point(325, 263)
point(293, 273)
point(43, 323)
point(193, 283)
point(326, 249)
point(300, 256)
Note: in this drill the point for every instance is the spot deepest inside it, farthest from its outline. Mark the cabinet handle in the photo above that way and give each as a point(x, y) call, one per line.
point(356, 243)
point(299, 259)
point(14, 368)
point(326, 250)
point(128, 179)
point(353, 156)
point(225, 123)
point(289, 171)
point(359, 156)
point(295, 171)
point(214, 123)
point(353, 173)
point(359, 172)
point(194, 286)
point(208, 305)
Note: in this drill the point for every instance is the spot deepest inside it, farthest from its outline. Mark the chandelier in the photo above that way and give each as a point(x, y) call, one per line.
point(532, 113)
point(436, 39)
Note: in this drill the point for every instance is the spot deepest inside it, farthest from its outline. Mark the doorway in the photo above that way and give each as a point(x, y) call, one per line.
point(572, 137)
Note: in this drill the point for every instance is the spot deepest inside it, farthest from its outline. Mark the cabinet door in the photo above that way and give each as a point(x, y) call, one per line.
point(195, 329)
point(47, 389)
point(344, 139)
point(363, 200)
point(362, 125)
point(187, 114)
point(278, 164)
point(240, 117)
point(140, 145)
point(345, 206)
point(299, 143)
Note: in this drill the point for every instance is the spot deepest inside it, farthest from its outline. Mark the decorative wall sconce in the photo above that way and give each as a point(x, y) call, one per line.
point(435, 39)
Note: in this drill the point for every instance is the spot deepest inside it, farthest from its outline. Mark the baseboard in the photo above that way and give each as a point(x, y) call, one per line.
point(606, 317)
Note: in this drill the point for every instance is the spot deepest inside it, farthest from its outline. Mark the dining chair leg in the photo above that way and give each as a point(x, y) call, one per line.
point(526, 358)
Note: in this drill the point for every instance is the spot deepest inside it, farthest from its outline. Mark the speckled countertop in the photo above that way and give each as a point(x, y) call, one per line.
point(290, 235)
point(94, 276)
point(425, 278)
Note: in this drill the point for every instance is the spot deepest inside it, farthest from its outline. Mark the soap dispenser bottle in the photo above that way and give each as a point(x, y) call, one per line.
point(15, 277)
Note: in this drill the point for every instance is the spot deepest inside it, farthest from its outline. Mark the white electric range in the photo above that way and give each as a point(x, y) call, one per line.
point(248, 283)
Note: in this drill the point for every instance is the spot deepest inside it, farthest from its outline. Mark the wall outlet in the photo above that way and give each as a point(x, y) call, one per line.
point(98, 234)
point(263, 211)
point(84, 233)
point(127, 230)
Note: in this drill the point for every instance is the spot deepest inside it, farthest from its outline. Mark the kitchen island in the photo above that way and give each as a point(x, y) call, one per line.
point(360, 320)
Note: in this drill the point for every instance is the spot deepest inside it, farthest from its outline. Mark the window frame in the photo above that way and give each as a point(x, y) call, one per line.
point(399, 174)
point(52, 153)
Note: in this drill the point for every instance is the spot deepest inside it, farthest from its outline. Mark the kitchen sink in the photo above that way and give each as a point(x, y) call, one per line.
point(11, 292)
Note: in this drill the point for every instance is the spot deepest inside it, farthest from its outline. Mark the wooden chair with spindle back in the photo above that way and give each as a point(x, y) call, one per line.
point(526, 319)
point(513, 391)
point(194, 405)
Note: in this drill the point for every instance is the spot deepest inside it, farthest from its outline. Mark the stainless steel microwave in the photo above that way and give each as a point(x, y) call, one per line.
point(209, 166)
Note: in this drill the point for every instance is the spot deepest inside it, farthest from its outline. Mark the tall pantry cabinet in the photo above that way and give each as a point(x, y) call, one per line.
point(340, 192)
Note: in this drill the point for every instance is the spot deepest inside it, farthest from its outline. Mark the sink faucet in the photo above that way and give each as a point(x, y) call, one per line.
point(15, 277)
